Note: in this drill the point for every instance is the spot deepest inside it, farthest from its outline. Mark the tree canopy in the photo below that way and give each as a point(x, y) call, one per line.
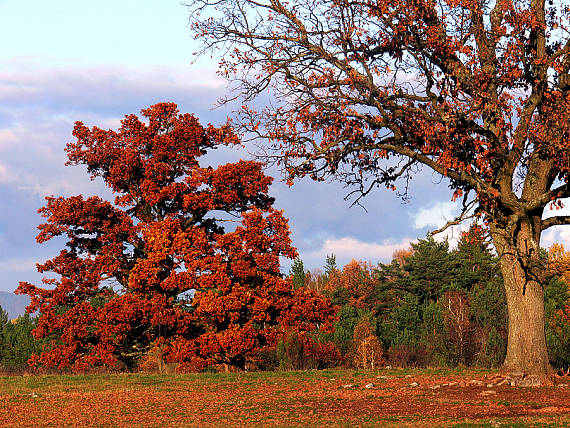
point(185, 261)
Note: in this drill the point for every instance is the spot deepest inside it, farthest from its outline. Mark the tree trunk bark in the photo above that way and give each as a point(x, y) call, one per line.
point(526, 346)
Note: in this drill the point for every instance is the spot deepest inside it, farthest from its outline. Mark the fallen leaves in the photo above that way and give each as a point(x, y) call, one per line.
point(329, 397)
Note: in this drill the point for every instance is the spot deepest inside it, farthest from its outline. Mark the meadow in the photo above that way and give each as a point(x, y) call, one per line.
point(346, 398)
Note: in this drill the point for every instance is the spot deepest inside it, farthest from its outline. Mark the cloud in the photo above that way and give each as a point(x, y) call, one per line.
point(348, 248)
point(558, 234)
point(435, 215)
point(109, 89)
point(565, 210)
point(4, 177)
point(38, 108)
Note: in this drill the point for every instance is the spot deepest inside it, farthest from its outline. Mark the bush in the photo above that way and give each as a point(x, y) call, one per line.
point(298, 351)
point(492, 349)
point(405, 355)
point(266, 360)
point(368, 353)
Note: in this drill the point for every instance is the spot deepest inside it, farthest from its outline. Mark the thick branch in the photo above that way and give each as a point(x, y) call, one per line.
point(555, 221)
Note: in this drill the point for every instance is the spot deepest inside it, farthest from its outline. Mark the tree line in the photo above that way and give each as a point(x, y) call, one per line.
point(430, 306)
point(17, 344)
point(433, 306)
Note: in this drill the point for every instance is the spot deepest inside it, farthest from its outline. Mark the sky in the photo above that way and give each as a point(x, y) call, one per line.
point(68, 60)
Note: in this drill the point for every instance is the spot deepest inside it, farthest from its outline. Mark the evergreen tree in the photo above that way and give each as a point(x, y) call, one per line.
point(348, 318)
point(556, 308)
point(3, 317)
point(298, 273)
point(429, 270)
point(17, 344)
point(330, 265)
point(476, 264)
point(402, 325)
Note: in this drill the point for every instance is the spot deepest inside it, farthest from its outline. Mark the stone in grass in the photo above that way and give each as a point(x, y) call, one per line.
point(349, 385)
point(369, 386)
point(488, 392)
point(435, 387)
point(414, 384)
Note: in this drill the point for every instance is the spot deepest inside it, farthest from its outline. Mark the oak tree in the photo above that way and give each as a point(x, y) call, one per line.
point(369, 91)
point(186, 259)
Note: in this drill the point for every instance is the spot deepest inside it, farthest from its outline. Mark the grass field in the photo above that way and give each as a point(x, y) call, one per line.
point(312, 398)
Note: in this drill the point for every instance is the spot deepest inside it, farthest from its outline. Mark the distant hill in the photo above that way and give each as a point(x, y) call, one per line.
point(14, 304)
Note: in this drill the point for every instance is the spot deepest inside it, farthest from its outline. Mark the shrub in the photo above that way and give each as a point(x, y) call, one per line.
point(299, 351)
point(368, 354)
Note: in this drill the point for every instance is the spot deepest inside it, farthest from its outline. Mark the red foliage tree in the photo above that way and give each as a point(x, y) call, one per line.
point(370, 91)
point(158, 267)
point(357, 281)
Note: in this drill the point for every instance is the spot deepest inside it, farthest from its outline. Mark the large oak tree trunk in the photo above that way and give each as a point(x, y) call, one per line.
point(526, 346)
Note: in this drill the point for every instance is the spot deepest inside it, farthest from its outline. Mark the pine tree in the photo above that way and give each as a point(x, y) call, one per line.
point(429, 270)
point(298, 273)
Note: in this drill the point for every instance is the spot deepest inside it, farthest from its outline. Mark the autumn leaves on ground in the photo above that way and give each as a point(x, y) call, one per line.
point(310, 398)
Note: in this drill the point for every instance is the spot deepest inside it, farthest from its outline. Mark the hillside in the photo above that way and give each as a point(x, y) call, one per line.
point(14, 304)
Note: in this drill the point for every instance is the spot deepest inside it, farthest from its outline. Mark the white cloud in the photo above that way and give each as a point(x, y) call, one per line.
point(453, 233)
point(4, 175)
point(108, 85)
point(558, 234)
point(436, 215)
point(348, 248)
point(8, 138)
point(38, 108)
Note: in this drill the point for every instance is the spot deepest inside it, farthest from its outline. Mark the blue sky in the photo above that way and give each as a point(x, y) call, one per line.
point(65, 60)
